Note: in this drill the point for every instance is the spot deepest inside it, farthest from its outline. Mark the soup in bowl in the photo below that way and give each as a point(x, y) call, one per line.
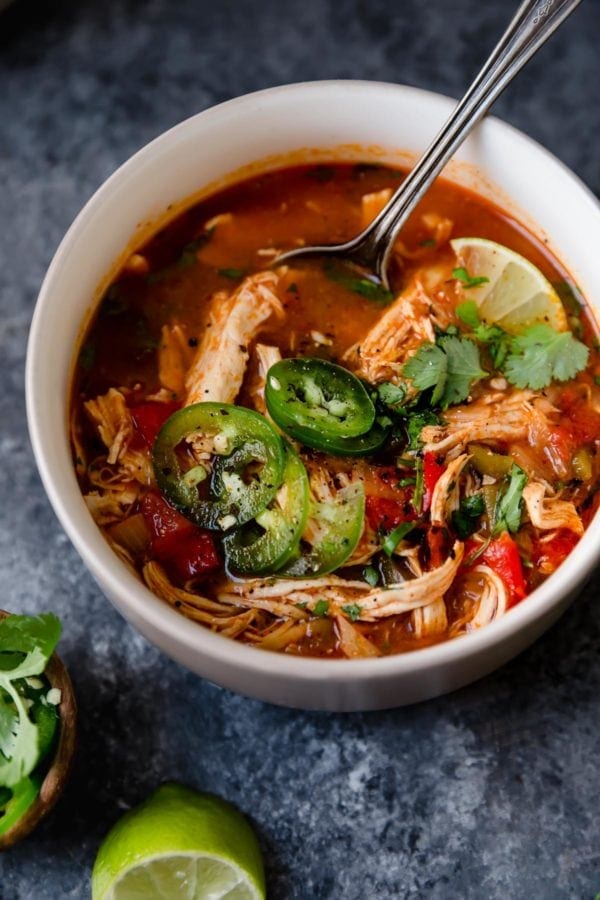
point(387, 489)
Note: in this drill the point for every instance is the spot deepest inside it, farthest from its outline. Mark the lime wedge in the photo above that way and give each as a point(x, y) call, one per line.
point(516, 293)
point(180, 845)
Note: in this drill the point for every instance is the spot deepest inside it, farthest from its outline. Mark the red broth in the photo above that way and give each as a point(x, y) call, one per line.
point(209, 251)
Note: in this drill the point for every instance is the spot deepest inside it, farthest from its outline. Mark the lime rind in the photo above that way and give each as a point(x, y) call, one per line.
point(180, 824)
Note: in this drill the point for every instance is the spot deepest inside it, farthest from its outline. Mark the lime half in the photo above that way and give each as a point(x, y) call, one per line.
point(516, 294)
point(180, 845)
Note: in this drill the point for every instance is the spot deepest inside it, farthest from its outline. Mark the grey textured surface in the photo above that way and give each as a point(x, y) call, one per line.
point(491, 792)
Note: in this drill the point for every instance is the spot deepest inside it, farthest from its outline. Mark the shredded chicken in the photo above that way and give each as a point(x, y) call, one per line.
point(493, 601)
point(113, 420)
point(549, 513)
point(266, 357)
point(216, 615)
point(111, 505)
point(408, 322)
point(283, 596)
point(174, 359)
point(118, 476)
point(353, 644)
point(430, 620)
point(218, 368)
point(520, 415)
point(446, 493)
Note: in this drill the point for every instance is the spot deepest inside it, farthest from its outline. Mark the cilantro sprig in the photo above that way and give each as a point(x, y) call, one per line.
point(541, 355)
point(26, 644)
point(532, 359)
point(352, 610)
point(357, 283)
point(468, 281)
point(465, 519)
point(510, 503)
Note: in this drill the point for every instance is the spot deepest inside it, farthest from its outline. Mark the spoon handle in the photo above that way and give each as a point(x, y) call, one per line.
point(532, 25)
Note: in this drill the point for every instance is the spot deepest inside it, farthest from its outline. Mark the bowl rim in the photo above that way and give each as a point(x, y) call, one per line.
point(137, 603)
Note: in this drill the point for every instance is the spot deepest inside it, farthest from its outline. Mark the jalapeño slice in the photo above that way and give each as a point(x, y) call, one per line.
point(267, 543)
point(15, 801)
point(247, 466)
point(363, 445)
point(316, 401)
point(335, 529)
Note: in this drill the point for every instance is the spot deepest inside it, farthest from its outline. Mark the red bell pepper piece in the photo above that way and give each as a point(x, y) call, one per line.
point(186, 550)
point(149, 418)
point(502, 556)
point(432, 472)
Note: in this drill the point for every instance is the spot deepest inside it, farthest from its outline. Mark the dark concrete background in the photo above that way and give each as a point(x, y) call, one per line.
point(490, 792)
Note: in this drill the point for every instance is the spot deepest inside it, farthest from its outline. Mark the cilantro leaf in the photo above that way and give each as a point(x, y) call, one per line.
point(34, 636)
point(371, 576)
point(321, 608)
point(352, 610)
point(22, 741)
point(509, 506)
point(467, 280)
point(464, 368)
point(492, 336)
point(26, 644)
point(451, 366)
point(391, 394)
point(428, 368)
point(415, 424)
point(541, 355)
point(233, 274)
point(8, 725)
point(466, 518)
point(468, 312)
point(358, 284)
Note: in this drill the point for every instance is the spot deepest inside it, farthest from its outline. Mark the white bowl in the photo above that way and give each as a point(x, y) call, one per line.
point(304, 122)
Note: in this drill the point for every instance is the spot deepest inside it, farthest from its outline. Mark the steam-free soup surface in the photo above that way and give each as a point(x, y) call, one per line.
point(472, 489)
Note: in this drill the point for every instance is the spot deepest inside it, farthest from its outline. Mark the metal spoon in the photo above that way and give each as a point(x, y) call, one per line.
point(532, 25)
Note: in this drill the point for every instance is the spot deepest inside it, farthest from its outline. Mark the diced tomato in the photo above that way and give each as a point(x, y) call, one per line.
point(186, 550)
point(149, 418)
point(196, 556)
point(387, 505)
point(383, 482)
point(502, 556)
point(385, 514)
point(550, 554)
point(432, 472)
point(583, 419)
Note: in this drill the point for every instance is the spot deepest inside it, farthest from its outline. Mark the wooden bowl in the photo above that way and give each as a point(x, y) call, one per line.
point(60, 765)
